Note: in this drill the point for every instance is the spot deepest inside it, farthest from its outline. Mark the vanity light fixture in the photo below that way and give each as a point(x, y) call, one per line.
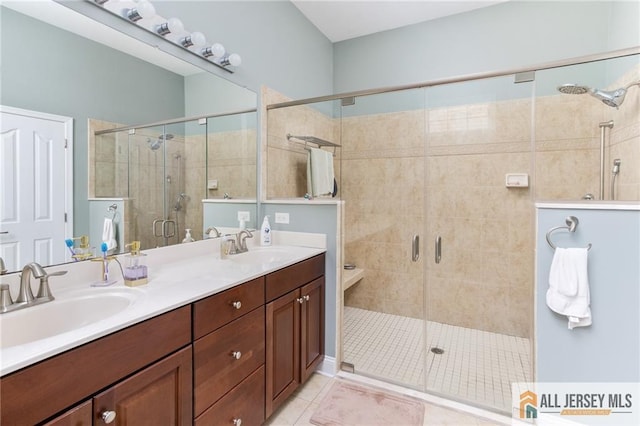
point(196, 39)
point(143, 14)
point(233, 59)
point(143, 9)
point(173, 25)
point(216, 50)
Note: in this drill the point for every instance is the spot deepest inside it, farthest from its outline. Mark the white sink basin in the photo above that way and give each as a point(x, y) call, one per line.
point(64, 314)
point(262, 255)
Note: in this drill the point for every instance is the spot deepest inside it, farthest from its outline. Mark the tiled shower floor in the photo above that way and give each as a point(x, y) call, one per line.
point(476, 366)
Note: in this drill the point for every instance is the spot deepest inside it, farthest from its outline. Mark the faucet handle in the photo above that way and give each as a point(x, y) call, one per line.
point(44, 292)
point(5, 297)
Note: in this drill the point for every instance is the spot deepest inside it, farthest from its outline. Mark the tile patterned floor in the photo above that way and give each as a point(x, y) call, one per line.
point(299, 409)
point(476, 366)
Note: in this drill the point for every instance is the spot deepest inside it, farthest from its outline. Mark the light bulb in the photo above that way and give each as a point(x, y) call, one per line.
point(143, 9)
point(233, 59)
point(173, 25)
point(216, 50)
point(196, 39)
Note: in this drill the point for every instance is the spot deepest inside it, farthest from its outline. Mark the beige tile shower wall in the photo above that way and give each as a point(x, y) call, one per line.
point(195, 162)
point(286, 159)
point(485, 277)
point(567, 148)
point(625, 140)
point(382, 181)
point(232, 162)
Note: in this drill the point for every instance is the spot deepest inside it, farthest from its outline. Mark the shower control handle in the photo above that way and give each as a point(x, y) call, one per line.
point(438, 250)
point(415, 248)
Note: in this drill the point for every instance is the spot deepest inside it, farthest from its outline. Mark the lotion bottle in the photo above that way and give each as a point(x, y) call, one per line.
point(265, 232)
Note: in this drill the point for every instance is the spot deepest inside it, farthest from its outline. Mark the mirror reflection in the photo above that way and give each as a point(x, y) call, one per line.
point(98, 88)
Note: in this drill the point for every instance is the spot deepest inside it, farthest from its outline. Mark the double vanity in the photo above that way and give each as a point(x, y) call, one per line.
point(207, 341)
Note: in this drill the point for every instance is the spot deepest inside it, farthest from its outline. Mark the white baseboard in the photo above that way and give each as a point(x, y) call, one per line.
point(328, 366)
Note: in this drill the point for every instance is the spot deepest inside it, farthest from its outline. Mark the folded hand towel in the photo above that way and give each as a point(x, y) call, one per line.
point(320, 174)
point(109, 234)
point(568, 292)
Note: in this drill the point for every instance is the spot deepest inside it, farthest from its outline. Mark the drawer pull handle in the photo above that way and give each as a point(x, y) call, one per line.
point(236, 354)
point(237, 304)
point(108, 416)
point(237, 422)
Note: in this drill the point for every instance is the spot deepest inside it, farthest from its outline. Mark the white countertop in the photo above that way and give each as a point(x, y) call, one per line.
point(178, 275)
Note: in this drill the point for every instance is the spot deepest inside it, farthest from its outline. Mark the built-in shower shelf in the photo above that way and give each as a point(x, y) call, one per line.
point(351, 277)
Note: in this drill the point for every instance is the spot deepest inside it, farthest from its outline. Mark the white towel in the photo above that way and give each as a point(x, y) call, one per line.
point(568, 292)
point(109, 234)
point(320, 175)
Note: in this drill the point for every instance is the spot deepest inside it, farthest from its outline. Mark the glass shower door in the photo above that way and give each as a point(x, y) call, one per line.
point(480, 287)
point(382, 182)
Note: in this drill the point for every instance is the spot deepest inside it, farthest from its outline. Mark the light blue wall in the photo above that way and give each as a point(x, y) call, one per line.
point(509, 35)
point(608, 350)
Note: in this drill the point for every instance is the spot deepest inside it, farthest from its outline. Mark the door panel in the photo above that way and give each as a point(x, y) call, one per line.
point(36, 191)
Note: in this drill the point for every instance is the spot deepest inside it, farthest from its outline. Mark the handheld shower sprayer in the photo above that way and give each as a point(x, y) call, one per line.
point(612, 98)
point(615, 170)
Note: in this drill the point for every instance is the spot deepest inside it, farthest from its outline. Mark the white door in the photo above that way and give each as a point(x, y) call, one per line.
point(35, 181)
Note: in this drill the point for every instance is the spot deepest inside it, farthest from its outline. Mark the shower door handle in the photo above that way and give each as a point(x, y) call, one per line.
point(155, 227)
point(438, 250)
point(415, 248)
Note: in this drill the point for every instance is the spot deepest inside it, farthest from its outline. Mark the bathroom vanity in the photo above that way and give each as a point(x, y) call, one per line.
point(231, 355)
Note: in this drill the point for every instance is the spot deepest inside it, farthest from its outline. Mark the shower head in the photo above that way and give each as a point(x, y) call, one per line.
point(613, 98)
point(573, 89)
point(155, 144)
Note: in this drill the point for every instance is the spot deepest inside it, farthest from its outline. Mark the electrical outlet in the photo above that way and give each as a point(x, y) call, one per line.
point(242, 215)
point(282, 218)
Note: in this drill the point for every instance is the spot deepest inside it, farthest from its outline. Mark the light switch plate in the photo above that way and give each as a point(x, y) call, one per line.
point(242, 215)
point(282, 218)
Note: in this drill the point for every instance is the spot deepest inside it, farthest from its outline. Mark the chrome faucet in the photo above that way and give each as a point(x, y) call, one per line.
point(25, 294)
point(241, 238)
point(212, 229)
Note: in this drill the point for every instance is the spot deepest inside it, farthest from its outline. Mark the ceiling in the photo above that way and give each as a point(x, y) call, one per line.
point(344, 19)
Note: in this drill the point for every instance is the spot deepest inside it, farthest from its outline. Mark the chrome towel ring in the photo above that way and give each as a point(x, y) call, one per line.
point(572, 223)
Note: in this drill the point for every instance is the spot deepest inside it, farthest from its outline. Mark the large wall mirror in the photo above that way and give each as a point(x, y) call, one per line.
point(109, 80)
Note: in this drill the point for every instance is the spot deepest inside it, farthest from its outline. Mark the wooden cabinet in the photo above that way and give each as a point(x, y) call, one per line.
point(294, 328)
point(158, 395)
point(226, 359)
point(231, 348)
point(34, 394)
point(80, 415)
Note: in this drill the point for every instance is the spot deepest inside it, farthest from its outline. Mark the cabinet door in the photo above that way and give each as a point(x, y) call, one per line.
point(311, 327)
point(158, 395)
point(81, 415)
point(283, 349)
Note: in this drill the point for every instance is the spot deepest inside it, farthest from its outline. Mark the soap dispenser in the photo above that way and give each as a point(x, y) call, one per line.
point(265, 232)
point(135, 271)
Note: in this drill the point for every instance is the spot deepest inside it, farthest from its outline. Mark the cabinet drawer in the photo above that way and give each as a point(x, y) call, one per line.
point(283, 281)
point(216, 370)
point(245, 402)
point(215, 311)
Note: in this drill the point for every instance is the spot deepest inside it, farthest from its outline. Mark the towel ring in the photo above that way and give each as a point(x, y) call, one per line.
point(572, 223)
